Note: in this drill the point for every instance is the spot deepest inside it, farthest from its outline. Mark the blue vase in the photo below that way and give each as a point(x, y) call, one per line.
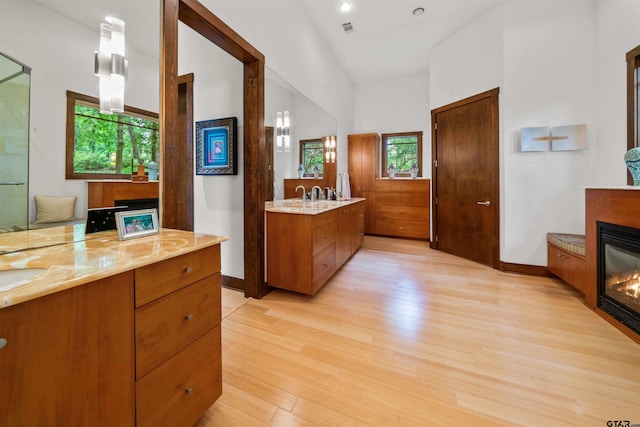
point(632, 159)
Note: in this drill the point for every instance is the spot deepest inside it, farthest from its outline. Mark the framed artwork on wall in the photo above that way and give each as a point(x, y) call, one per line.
point(216, 146)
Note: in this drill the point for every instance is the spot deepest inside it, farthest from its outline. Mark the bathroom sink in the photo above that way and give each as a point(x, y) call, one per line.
point(10, 277)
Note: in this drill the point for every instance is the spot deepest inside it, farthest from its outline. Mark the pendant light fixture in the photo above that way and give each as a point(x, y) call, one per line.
point(111, 65)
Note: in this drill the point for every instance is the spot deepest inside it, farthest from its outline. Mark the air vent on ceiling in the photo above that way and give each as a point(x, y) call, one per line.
point(348, 27)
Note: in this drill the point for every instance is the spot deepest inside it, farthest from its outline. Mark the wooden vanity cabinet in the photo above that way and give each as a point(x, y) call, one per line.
point(139, 348)
point(304, 251)
point(68, 358)
point(177, 335)
point(402, 208)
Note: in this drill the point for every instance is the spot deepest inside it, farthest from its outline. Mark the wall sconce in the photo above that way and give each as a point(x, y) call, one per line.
point(111, 65)
point(282, 132)
point(330, 149)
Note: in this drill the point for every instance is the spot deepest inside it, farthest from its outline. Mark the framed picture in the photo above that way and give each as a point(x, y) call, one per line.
point(216, 145)
point(132, 224)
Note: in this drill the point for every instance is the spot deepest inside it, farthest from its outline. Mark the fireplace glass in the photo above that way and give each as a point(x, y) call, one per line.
point(619, 273)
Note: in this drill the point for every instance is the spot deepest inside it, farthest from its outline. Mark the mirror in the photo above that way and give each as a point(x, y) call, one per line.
point(307, 122)
point(57, 39)
point(15, 83)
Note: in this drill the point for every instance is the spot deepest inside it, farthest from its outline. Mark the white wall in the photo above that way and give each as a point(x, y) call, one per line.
point(396, 105)
point(217, 93)
point(549, 69)
point(60, 52)
point(618, 31)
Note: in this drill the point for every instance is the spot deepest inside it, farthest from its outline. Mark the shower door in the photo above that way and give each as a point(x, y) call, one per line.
point(15, 82)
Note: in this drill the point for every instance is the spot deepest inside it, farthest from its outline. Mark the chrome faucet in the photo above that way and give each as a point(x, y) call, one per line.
point(313, 193)
point(304, 191)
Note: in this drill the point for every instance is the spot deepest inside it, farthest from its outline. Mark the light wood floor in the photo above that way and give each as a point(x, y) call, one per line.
point(407, 336)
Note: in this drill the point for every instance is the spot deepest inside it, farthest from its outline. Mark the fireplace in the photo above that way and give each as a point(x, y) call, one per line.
point(618, 273)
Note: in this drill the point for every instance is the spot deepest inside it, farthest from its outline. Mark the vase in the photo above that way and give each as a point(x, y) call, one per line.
point(632, 159)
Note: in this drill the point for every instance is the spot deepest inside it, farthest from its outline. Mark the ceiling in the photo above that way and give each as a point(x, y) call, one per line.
point(388, 40)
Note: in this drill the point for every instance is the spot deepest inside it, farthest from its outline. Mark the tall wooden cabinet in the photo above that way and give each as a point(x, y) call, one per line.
point(363, 152)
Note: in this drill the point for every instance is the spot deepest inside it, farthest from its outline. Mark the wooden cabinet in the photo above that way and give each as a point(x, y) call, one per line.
point(568, 266)
point(177, 333)
point(363, 152)
point(139, 348)
point(402, 208)
point(68, 358)
point(102, 194)
point(304, 251)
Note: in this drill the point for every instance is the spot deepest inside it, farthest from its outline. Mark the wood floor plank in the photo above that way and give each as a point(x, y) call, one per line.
point(407, 336)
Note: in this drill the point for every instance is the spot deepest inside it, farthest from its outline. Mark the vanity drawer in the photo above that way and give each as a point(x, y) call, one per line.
point(165, 326)
point(323, 220)
point(323, 237)
point(157, 280)
point(324, 265)
point(179, 391)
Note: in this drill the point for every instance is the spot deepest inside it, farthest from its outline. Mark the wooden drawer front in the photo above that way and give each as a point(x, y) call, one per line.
point(403, 185)
point(567, 266)
point(323, 237)
point(409, 213)
point(170, 323)
point(157, 280)
point(323, 220)
point(324, 265)
point(402, 228)
point(179, 391)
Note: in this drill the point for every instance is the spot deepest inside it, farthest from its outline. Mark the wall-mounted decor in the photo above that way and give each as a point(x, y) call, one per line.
point(216, 146)
point(557, 138)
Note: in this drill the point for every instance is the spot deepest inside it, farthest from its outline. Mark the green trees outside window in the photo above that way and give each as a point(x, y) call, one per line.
point(311, 155)
point(104, 146)
point(402, 150)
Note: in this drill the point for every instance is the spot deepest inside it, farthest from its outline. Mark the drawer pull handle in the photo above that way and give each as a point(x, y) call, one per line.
point(3, 343)
point(188, 317)
point(188, 390)
point(188, 270)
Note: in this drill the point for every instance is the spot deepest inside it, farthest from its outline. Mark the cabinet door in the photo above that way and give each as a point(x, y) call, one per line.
point(357, 226)
point(369, 162)
point(355, 164)
point(68, 358)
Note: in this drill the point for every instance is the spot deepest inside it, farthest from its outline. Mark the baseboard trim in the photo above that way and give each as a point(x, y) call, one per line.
point(233, 283)
point(529, 270)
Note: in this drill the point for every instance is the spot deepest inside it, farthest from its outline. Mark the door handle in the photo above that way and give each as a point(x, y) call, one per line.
point(487, 203)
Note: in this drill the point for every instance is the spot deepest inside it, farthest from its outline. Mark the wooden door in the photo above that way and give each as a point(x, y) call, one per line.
point(268, 166)
point(466, 178)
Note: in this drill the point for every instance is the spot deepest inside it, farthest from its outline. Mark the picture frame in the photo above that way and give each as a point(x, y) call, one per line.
point(137, 223)
point(216, 147)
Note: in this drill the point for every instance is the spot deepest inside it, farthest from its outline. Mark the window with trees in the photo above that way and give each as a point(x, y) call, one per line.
point(401, 150)
point(108, 146)
point(311, 155)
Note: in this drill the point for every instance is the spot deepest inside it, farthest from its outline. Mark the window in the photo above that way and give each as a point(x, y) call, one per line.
point(108, 146)
point(401, 150)
point(311, 154)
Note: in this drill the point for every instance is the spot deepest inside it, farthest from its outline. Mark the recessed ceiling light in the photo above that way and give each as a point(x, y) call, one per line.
point(418, 11)
point(345, 5)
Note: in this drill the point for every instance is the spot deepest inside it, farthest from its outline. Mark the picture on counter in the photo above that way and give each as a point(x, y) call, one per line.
point(216, 146)
point(132, 224)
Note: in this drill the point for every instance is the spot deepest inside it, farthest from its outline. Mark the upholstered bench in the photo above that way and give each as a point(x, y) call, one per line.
point(565, 258)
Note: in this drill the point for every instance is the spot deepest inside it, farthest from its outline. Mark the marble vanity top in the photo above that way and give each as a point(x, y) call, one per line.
point(82, 261)
point(307, 207)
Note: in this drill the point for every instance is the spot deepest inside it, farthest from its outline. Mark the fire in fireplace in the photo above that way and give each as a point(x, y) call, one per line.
point(619, 273)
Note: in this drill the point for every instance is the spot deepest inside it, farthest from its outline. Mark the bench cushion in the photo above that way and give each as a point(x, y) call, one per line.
point(570, 242)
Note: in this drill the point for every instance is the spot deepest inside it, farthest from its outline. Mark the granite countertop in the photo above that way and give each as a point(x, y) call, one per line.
point(82, 261)
point(307, 207)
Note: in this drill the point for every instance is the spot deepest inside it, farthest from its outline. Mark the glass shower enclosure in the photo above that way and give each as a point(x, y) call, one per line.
point(15, 83)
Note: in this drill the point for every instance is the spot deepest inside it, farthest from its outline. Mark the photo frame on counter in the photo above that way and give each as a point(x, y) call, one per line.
point(138, 223)
point(216, 147)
